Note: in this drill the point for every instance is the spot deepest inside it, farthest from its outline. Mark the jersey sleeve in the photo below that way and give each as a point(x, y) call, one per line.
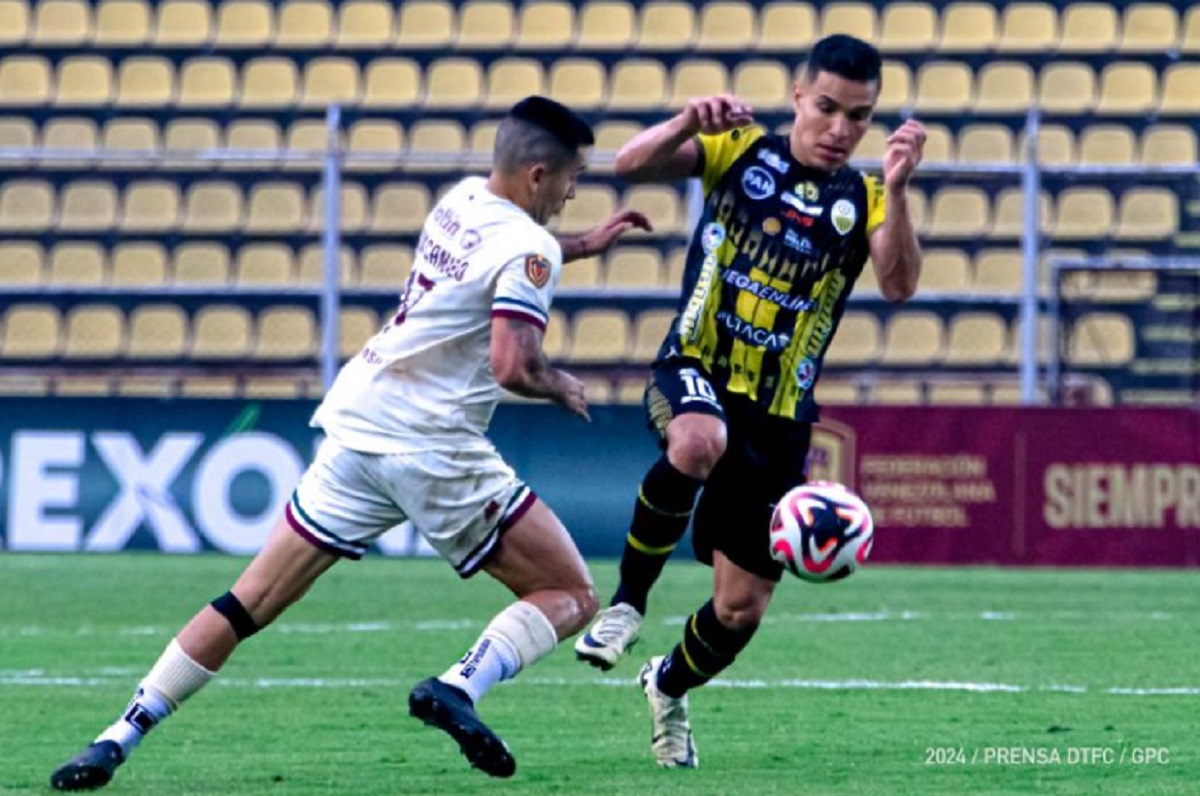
point(720, 151)
point(876, 206)
point(525, 287)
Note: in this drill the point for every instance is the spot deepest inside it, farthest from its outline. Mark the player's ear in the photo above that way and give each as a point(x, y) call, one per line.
point(537, 173)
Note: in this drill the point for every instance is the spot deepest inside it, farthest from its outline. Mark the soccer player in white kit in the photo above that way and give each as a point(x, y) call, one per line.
point(405, 424)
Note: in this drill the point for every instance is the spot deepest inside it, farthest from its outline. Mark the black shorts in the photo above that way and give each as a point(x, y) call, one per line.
point(765, 456)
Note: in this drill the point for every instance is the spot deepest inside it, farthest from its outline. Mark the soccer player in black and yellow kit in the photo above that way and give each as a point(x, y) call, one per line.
point(786, 229)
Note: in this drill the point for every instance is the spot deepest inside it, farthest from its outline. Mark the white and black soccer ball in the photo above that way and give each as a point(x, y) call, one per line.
point(821, 532)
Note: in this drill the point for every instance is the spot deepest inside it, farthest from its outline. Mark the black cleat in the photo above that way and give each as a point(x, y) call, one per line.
point(90, 769)
point(451, 711)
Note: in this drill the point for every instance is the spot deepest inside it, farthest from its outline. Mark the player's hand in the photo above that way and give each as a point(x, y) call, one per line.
point(572, 395)
point(905, 148)
point(714, 115)
point(598, 240)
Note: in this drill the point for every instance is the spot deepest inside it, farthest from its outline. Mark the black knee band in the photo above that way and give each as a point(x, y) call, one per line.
point(230, 607)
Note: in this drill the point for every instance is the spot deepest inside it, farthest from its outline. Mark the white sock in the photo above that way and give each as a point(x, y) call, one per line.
point(516, 638)
point(174, 678)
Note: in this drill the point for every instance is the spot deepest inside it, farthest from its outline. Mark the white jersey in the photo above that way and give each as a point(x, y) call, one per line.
point(425, 380)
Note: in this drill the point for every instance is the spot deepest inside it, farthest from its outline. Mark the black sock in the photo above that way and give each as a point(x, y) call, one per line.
point(708, 647)
point(660, 518)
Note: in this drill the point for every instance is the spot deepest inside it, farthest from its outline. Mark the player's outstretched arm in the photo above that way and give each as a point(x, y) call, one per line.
point(600, 239)
point(894, 247)
point(521, 367)
point(668, 151)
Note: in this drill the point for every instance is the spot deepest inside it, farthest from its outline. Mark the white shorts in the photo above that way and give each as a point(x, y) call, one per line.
point(459, 500)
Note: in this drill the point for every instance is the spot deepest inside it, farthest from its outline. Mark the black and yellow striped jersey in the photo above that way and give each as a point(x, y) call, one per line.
point(770, 266)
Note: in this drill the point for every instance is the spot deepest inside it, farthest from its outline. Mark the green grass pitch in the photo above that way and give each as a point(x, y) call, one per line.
point(897, 681)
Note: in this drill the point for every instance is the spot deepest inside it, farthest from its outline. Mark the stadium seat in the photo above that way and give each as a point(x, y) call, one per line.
point(1101, 339)
point(273, 388)
point(638, 85)
point(896, 392)
point(650, 330)
point(599, 389)
point(307, 135)
point(853, 18)
point(1179, 95)
point(1005, 87)
point(212, 206)
point(908, 27)
point(145, 82)
point(606, 25)
point(1169, 143)
point(578, 83)
point(727, 26)
point(201, 264)
point(599, 335)
point(245, 24)
point(365, 24)
point(358, 325)
point(856, 341)
point(87, 206)
point(1130, 88)
point(70, 133)
point(944, 87)
point(913, 338)
point(206, 83)
point(31, 331)
point(392, 83)
point(483, 139)
point(191, 135)
point(425, 25)
point(329, 81)
point(1149, 28)
point(1083, 214)
point(440, 143)
point(1107, 144)
point(834, 392)
point(399, 207)
point(976, 338)
point(697, 78)
point(139, 264)
point(969, 27)
point(14, 22)
point(24, 80)
point(255, 134)
point(84, 80)
point(873, 143)
point(453, 83)
point(945, 271)
point(20, 263)
point(510, 80)
point(146, 386)
point(352, 208)
point(17, 133)
point(1190, 37)
point(986, 143)
point(60, 23)
point(896, 92)
point(676, 262)
point(556, 342)
point(660, 204)
point(312, 264)
point(1089, 28)
point(94, 331)
point(285, 333)
point(960, 212)
point(592, 205)
point(1067, 88)
point(304, 24)
point(157, 331)
point(766, 85)
point(386, 266)
point(129, 135)
point(275, 207)
point(1055, 146)
point(546, 25)
point(1148, 213)
point(998, 272)
point(269, 82)
point(1028, 27)
point(634, 268)
point(939, 144)
point(581, 274)
point(183, 23)
point(867, 282)
point(955, 393)
point(486, 24)
point(208, 387)
point(787, 27)
point(77, 265)
point(265, 264)
point(666, 25)
point(630, 391)
point(220, 331)
point(151, 206)
point(376, 137)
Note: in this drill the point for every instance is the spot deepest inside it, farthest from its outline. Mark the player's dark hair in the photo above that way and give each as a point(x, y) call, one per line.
point(844, 56)
point(539, 130)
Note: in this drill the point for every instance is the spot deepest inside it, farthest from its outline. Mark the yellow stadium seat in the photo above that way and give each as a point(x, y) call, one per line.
point(1009, 212)
point(1055, 146)
point(84, 80)
point(580, 274)
point(630, 391)
point(272, 388)
point(130, 135)
point(454, 83)
point(329, 81)
point(307, 135)
point(945, 271)
point(70, 133)
point(375, 137)
point(245, 23)
point(208, 387)
point(660, 204)
point(766, 85)
point(634, 268)
point(212, 206)
point(873, 143)
point(157, 331)
point(151, 206)
point(867, 282)
point(833, 392)
point(896, 91)
point(956, 393)
point(676, 262)
point(1029, 27)
point(855, 19)
point(1005, 87)
point(1107, 144)
point(650, 330)
point(1084, 214)
point(14, 22)
point(139, 264)
point(275, 207)
point(268, 82)
point(386, 266)
point(599, 335)
point(201, 264)
point(697, 78)
point(486, 24)
point(787, 26)
point(1089, 27)
point(976, 338)
point(592, 205)
point(483, 139)
point(896, 392)
point(190, 135)
point(392, 83)
point(358, 325)
point(425, 24)
point(638, 85)
point(31, 331)
point(606, 25)
point(555, 341)
point(77, 264)
point(20, 263)
point(1067, 87)
point(183, 23)
point(62, 22)
point(985, 143)
point(961, 212)
point(918, 209)
point(207, 82)
point(998, 272)
point(1101, 339)
point(727, 26)
point(944, 87)
point(913, 338)
point(312, 265)
point(220, 331)
point(265, 264)
point(367, 24)
point(1149, 27)
point(510, 80)
point(145, 82)
point(611, 136)
point(1168, 143)
point(856, 341)
point(666, 25)
point(399, 207)
point(352, 208)
point(908, 27)
point(87, 206)
point(255, 134)
point(969, 27)
point(1148, 213)
point(1179, 90)
point(285, 333)
point(578, 83)
point(94, 332)
point(146, 386)
point(1129, 88)
point(305, 23)
point(1190, 37)
point(24, 80)
point(439, 142)
point(17, 133)
point(546, 25)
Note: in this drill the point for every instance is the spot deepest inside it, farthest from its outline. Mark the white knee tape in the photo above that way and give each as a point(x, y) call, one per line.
point(527, 631)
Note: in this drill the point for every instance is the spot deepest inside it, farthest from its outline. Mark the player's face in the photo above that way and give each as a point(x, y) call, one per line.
point(832, 116)
point(555, 187)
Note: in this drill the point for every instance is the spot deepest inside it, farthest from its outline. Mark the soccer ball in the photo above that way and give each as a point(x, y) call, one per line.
point(821, 532)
